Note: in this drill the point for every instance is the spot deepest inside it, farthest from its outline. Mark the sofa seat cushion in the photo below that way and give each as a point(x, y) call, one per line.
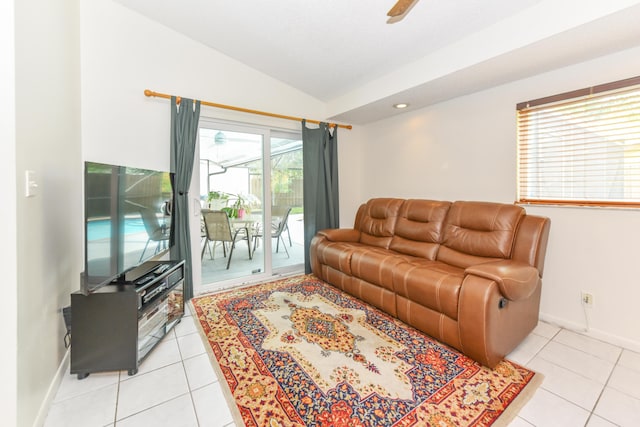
point(432, 284)
point(375, 265)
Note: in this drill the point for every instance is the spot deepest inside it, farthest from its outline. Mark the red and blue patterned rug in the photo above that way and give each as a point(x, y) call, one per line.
point(299, 352)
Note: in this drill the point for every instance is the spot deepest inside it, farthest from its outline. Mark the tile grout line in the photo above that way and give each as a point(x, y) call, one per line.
point(592, 410)
point(551, 392)
point(549, 339)
point(150, 407)
point(161, 403)
point(545, 344)
point(595, 405)
point(184, 369)
point(115, 412)
point(583, 352)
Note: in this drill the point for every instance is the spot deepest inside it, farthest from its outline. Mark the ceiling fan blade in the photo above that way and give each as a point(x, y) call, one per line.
point(400, 9)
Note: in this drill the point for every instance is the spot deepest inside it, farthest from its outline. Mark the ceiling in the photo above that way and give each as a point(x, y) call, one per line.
point(343, 52)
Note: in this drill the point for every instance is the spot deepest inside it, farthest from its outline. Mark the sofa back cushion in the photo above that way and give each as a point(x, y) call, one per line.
point(419, 228)
point(476, 232)
point(376, 221)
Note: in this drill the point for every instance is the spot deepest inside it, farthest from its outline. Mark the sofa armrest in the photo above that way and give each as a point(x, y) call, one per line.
point(531, 241)
point(340, 234)
point(516, 280)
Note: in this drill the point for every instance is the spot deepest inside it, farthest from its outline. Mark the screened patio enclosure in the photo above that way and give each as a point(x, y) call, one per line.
point(254, 190)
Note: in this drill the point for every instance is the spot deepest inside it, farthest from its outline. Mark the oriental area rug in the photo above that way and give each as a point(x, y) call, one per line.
point(299, 352)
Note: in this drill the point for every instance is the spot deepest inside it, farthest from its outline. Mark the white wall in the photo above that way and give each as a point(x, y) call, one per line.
point(124, 53)
point(48, 225)
point(352, 145)
point(465, 149)
point(8, 261)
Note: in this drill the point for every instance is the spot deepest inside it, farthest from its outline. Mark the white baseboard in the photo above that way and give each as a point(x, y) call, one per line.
point(591, 332)
point(53, 390)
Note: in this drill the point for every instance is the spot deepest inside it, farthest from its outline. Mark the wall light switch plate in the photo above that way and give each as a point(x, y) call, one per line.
point(31, 184)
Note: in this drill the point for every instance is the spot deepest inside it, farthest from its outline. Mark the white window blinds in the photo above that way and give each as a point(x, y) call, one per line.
point(582, 147)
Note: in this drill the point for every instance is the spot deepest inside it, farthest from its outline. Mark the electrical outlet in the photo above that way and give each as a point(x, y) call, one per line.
point(586, 298)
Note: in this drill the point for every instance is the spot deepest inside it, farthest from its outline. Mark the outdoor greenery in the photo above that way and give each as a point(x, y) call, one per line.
point(218, 195)
point(286, 185)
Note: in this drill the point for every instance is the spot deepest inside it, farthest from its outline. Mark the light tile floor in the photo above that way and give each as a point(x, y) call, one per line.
point(587, 383)
point(175, 387)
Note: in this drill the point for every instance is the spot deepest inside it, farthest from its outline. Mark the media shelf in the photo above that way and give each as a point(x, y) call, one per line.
point(115, 327)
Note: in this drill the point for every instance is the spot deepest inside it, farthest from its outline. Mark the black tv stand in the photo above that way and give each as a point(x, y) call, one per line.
point(115, 327)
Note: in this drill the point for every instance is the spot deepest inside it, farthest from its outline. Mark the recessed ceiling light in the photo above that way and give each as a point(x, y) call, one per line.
point(400, 105)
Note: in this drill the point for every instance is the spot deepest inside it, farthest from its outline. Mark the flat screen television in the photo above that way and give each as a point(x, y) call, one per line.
point(127, 218)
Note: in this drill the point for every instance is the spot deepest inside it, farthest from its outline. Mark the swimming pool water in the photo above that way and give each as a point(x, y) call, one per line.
point(101, 229)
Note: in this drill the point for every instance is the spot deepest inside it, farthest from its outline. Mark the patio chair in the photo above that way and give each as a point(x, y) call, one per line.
point(156, 232)
point(218, 229)
point(278, 226)
point(278, 212)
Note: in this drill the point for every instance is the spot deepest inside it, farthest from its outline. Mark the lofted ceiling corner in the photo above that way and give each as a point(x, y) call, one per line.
point(600, 37)
point(346, 55)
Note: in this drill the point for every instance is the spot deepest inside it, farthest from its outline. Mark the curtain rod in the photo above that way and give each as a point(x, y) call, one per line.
point(148, 92)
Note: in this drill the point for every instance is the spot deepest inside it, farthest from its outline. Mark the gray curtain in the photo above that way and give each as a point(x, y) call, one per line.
point(320, 165)
point(184, 130)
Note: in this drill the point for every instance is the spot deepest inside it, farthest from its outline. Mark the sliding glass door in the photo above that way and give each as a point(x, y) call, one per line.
point(251, 203)
point(286, 195)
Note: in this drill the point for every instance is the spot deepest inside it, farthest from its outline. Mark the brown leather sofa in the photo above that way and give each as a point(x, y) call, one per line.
point(466, 273)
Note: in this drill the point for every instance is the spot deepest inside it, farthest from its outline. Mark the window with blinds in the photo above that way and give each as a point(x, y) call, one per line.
point(581, 147)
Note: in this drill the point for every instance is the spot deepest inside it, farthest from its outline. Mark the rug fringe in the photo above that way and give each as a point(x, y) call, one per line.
point(512, 410)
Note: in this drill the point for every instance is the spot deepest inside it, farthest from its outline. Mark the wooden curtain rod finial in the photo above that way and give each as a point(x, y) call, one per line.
point(148, 92)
